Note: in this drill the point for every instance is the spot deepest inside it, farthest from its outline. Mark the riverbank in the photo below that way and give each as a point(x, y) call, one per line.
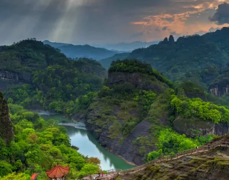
point(130, 163)
point(78, 127)
point(89, 146)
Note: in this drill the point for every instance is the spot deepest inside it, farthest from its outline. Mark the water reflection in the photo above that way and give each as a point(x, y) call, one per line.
point(89, 146)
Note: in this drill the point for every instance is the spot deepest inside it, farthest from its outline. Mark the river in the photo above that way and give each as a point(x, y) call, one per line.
point(89, 146)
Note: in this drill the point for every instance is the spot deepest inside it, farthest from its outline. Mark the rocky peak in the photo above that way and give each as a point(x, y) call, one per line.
point(6, 128)
point(171, 38)
point(166, 40)
point(140, 75)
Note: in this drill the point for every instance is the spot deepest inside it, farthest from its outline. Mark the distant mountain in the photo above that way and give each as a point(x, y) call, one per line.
point(107, 61)
point(128, 47)
point(29, 68)
point(82, 51)
point(178, 59)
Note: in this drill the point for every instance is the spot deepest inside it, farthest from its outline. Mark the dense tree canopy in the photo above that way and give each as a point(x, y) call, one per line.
point(38, 146)
point(47, 78)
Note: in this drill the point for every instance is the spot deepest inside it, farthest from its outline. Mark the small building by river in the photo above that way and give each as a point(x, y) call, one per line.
point(58, 173)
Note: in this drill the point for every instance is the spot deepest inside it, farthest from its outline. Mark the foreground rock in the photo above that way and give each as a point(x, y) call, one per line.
point(6, 128)
point(212, 164)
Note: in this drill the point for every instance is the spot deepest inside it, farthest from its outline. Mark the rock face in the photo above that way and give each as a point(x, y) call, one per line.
point(171, 39)
point(139, 80)
point(9, 78)
point(6, 128)
point(220, 85)
point(126, 148)
point(8, 75)
point(219, 90)
point(196, 127)
point(106, 117)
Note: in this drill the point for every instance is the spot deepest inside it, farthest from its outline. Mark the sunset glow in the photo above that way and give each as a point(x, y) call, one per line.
point(103, 21)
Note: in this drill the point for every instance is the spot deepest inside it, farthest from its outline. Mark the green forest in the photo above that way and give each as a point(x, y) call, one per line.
point(154, 108)
point(38, 146)
point(168, 107)
point(47, 79)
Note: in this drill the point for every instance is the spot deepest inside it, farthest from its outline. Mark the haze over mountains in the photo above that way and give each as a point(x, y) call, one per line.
point(128, 47)
point(97, 52)
point(82, 51)
point(131, 108)
point(147, 80)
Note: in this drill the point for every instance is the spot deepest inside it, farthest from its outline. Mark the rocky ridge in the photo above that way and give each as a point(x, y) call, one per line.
point(118, 108)
point(6, 127)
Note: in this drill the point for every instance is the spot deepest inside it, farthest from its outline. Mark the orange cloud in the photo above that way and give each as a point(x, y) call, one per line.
point(178, 22)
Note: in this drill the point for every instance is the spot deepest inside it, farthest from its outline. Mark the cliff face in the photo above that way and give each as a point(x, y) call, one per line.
point(220, 86)
point(106, 117)
point(8, 77)
point(138, 80)
point(136, 104)
point(196, 127)
point(6, 128)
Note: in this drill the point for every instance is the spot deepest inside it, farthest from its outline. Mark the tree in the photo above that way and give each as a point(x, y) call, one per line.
point(88, 169)
point(5, 168)
point(94, 161)
point(14, 176)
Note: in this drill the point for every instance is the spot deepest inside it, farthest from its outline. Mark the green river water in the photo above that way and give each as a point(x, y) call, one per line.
point(89, 146)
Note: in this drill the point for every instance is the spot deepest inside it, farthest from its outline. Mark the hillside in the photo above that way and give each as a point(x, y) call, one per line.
point(138, 111)
point(220, 85)
point(38, 146)
point(206, 164)
point(38, 76)
point(196, 58)
point(82, 51)
point(187, 54)
point(107, 61)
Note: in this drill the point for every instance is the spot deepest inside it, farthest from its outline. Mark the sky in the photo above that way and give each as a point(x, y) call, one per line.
point(108, 21)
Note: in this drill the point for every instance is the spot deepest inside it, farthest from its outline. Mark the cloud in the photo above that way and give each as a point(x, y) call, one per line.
point(99, 21)
point(168, 19)
point(213, 29)
point(222, 14)
point(164, 28)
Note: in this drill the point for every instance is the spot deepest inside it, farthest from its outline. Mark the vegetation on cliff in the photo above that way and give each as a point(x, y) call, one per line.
point(212, 164)
point(148, 117)
point(38, 146)
point(6, 128)
point(53, 81)
point(188, 55)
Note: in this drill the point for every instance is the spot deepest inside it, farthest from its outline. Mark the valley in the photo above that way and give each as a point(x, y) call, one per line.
point(136, 109)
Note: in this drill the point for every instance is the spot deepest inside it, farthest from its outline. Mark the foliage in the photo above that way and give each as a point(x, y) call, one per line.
point(88, 169)
point(5, 168)
point(93, 160)
point(131, 66)
point(187, 54)
point(107, 62)
point(128, 126)
point(50, 80)
point(170, 143)
point(197, 107)
point(14, 108)
point(38, 146)
point(192, 90)
point(13, 176)
point(205, 139)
